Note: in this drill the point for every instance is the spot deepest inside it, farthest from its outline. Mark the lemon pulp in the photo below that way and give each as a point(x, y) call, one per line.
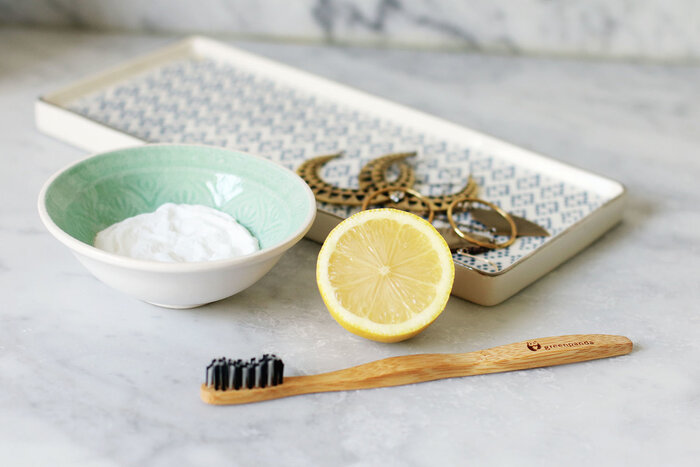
point(385, 274)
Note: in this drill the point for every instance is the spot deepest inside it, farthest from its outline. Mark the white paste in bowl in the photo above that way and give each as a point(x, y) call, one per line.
point(178, 233)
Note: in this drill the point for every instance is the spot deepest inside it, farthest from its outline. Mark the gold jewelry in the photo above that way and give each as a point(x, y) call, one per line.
point(373, 174)
point(310, 170)
point(501, 212)
point(373, 177)
point(441, 203)
point(390, 189)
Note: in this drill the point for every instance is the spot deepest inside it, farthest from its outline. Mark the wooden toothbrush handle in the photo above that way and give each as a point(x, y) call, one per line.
point(409, 369)
point(548, 351)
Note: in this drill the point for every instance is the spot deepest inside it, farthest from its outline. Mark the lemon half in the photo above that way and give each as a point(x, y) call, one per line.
point(385, 274)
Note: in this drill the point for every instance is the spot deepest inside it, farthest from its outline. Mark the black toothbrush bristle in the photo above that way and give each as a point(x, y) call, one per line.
point(237, 374)
point(219, 379)
point(278, 375)
point(262, 382)
point(251, 372)
point(223, 374)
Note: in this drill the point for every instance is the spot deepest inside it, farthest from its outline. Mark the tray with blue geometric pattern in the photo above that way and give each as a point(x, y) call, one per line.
point(202, 91)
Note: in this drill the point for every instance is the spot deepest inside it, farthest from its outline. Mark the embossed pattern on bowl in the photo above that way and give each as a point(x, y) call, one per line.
point(272, 202)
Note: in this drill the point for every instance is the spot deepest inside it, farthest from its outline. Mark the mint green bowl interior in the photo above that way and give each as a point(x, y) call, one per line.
point(270, 201)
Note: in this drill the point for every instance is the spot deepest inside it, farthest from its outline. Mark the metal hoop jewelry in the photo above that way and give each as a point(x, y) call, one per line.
point(501, 212)
point(410, 191)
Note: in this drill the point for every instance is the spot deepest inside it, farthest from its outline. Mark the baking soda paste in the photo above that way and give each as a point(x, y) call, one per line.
point(178, 233)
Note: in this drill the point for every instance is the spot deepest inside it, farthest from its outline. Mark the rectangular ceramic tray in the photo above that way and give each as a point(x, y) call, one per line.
point(202, 91)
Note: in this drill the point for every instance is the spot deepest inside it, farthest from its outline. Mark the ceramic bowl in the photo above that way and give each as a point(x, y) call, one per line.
point(273, 203)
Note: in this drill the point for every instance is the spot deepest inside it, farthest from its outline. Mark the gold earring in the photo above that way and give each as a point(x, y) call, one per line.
point(372, 176)
point(441, 203)
point(501, 212)
point(391, 189)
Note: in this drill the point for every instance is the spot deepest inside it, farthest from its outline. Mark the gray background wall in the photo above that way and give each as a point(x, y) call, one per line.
point(644, 30)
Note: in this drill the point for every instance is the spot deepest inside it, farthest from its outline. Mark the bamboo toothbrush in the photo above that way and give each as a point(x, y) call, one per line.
point(241, 382)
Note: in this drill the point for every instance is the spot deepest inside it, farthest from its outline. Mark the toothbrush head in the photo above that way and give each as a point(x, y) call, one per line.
point(225, 374)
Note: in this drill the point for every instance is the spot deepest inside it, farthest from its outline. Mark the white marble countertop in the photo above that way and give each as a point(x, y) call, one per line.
point(89, 376)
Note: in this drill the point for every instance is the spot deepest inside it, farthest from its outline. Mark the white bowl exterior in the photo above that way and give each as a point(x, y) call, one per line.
point(179, 289)
point(176, 285)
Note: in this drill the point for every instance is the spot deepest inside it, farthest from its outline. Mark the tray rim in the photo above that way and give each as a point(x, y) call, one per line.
point(199, 47)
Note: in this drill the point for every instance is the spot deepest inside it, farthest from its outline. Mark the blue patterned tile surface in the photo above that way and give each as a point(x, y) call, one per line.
point(209, 102)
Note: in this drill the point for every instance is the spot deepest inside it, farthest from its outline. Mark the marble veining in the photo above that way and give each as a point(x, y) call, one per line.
point(89, 376)
point(641, 29)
